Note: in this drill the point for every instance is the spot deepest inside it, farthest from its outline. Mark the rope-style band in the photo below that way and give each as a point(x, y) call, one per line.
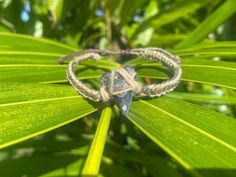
point(105, 94)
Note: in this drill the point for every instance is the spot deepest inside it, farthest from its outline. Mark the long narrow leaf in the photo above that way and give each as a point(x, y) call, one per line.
point(211, 23)
point(92, 164)
point(180, 9)
point(216, 73)
point(55, 166)
point(204, 98)
point(43, 73)
point(34, 113)
point(20, 43)
point(196, 137)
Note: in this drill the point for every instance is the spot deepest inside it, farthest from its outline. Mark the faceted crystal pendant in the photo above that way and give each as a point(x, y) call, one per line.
point(114, 82)
point(123, 102)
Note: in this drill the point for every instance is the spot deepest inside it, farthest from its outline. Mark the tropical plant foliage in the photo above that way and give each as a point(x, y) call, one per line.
point(190, 132)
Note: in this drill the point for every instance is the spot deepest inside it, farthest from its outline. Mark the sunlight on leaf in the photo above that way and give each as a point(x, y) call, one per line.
point(92, 164)
point(217, 73)
point(44, 113)
point(188, 133)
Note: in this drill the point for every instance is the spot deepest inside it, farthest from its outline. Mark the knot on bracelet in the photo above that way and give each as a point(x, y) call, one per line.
point(118, 82)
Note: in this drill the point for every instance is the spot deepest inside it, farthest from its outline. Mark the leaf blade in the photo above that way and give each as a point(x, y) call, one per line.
point(92, 164)
point(43, 114)
point(43, 73)
point(179, 10)
point(209, 24)
point(20, 43)
point(203, 98)
point(217, 73)
point(195, 135)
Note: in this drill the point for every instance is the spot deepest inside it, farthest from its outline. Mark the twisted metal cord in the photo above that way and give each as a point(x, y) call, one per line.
point(154, 90)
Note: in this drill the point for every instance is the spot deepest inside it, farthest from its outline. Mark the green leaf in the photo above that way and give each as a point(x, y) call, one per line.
point(13, 92)
point(10, 57)
point(117, 170)
point(166, 40)
point(27, 59)
point(217, 73)
point(22, 43)
point(28, 110)
point(196, 137)
point(149, 160)
point(50, 72)
point(188, 132)
point(209, 50)
point(55, 8)
point(129, 9)
point(43, 73)
point(226, 10)
point(55, 165)
point(203, 98)
point(92, 164)
point(178, 10)
point(47, 148)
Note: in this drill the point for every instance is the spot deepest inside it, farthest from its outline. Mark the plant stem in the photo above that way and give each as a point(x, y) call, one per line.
point(92, 164)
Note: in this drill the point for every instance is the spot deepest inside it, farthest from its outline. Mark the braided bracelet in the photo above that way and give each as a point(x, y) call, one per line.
point(120, 83)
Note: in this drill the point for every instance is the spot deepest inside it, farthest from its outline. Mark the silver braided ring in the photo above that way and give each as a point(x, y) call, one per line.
point(120, 83)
